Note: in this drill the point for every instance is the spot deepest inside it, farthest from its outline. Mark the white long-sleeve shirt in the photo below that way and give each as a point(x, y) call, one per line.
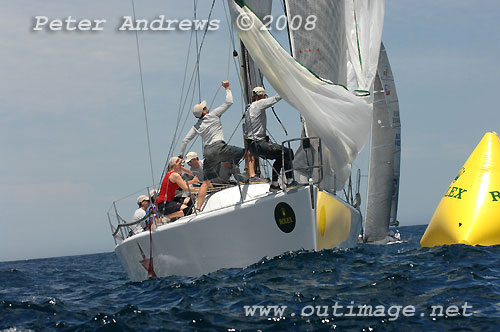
point(256, 119)
point(138, 215)
point(209, 127)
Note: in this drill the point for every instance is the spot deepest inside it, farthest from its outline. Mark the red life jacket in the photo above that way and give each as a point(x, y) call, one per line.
point(167, 187)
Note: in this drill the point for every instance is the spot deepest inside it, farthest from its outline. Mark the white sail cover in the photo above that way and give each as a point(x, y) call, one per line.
point(364, 24)
point(341, 119)
point(385, 154)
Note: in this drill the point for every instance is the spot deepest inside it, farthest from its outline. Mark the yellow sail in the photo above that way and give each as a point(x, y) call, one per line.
point(469, 212)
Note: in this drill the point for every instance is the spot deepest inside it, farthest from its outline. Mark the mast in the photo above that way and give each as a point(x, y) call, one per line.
point(250, 74)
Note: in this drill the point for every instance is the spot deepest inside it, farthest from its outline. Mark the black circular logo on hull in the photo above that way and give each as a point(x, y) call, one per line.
point(285, 217)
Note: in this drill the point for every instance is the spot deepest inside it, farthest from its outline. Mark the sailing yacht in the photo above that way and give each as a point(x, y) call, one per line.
point(327, 79)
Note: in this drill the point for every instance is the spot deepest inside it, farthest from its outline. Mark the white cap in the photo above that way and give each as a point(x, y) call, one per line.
point(152, 193)
point(259, 91)
point(142, 198)
point(190, 156)
point(198, 109)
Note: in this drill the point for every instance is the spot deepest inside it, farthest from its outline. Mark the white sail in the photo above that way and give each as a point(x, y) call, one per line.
point(364, 25)
point(385, 154)
point(323, 51)
point(381, 170)
point(341, 119)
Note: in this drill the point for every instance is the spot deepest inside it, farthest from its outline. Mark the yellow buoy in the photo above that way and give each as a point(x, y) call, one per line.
point(469, 212)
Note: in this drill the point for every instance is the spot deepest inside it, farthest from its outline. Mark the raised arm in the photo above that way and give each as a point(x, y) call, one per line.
point(189, 137)
point(229, 101)
point(267, 102)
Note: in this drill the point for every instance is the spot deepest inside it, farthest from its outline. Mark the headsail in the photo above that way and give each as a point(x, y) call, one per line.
point(364, 25)
point(385, 154)
point(341, 119)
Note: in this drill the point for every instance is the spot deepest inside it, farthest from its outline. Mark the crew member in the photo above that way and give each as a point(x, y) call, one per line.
point(196, 166)
point(215, 150)
point(167, 203)
point(140, 213)
point(258, 142)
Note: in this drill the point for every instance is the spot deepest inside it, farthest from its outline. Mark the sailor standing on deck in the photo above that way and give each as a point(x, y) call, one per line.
point(257, 140)
point(215, 150)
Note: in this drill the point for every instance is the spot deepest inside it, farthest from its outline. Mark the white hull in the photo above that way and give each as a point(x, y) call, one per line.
point(241, 234)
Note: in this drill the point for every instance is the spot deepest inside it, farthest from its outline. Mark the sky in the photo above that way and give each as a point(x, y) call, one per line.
point(73, 127)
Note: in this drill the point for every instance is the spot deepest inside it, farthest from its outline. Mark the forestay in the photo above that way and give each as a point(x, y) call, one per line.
point(341, 119)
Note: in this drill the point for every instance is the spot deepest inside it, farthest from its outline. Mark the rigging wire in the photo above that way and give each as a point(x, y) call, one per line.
point(195, 73)
point(182, 105)
point(235, 64)
point(150, 268)
point(184, 97)
point(143, 96)
point(235, 54)
point(127, 196)
point(230, 51)
point(195, 3)
point(198, 55)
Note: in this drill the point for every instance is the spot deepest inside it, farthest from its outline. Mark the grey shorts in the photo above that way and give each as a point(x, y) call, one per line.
point(217, 153)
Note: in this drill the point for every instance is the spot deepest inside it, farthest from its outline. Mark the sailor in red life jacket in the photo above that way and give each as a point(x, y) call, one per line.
point(215, 150)
point(171, 182)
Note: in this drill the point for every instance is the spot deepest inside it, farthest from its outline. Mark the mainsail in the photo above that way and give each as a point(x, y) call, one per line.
point(391, 98)
point(385, 154)
point(341, 119)
point(323, 51)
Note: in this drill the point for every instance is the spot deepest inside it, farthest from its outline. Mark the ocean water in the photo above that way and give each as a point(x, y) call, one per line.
point(450, 288)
